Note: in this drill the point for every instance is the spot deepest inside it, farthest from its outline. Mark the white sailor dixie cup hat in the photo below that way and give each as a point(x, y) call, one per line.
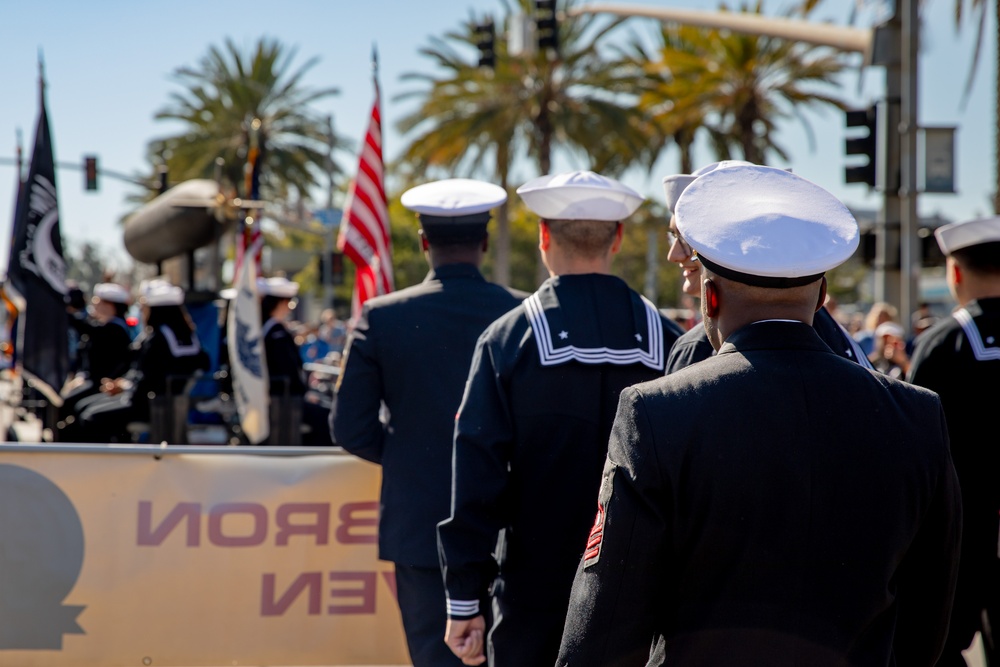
point(965, 234)
point(278, 286)
point(159, 292)
point(111, 292)
point(454, 198)
point(675, 184)
point(579, 195)
point(765, 226)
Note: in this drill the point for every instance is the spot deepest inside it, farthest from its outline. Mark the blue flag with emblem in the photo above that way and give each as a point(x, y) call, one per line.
point(247, 361)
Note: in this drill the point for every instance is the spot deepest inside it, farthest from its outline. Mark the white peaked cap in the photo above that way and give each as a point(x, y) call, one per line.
point(964, 234)
point(674, 185)
point(765, 222)
point(159, 292)
point(579, 195)
point(112, 292)
point(453, 197)
point(283, 288)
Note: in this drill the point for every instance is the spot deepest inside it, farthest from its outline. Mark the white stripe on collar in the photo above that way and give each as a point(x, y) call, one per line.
point(979, 349)
point(855, 349)
point(176, 348)
point(551, 356)
point(270, 324)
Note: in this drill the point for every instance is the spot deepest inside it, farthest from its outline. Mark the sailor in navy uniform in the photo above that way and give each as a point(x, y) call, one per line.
point(532, 430)
point(410, 351)
point(774, 504)
point(103, 351)
point(959, 358)
point(285, 370)
point(168, 348)
point(694, 345)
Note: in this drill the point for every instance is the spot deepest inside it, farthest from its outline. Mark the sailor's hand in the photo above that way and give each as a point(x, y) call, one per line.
point(466, 639)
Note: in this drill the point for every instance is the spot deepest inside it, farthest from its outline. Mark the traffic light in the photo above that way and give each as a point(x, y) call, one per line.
point(546, 25)
point(90, 172)
point(486, 40)
point(930, 251)
point(336, 274)
point(862, 144)
point(337, 268)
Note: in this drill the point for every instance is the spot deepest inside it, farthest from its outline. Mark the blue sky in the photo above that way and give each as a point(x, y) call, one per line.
point(108, 66)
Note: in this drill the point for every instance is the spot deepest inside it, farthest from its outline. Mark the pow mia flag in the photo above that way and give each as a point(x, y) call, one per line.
point(36, 271)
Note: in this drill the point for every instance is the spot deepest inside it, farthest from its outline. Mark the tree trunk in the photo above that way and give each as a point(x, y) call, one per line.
point(501, 244)
point(748, 137)
point(543, 125)
point(683, 138)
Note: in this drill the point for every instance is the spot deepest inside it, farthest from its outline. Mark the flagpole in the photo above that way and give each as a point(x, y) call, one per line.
point(375, 81)
point(36, 269)
point(20, 156)
point(364, 234)
point(41, 76)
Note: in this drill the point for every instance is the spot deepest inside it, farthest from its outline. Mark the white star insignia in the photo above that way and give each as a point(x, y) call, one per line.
point(638, 337)
point(563, 335)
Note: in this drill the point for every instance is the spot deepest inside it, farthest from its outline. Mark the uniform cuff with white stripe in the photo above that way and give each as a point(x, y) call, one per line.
point(462, 609)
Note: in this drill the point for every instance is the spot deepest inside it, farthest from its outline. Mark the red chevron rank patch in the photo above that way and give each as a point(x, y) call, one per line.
point(593, 552)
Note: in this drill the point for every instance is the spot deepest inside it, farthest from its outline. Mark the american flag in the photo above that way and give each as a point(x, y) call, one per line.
point(364, 231)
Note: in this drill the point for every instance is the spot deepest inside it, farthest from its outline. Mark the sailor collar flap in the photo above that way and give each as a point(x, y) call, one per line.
point(983, 349)
point(563, 335)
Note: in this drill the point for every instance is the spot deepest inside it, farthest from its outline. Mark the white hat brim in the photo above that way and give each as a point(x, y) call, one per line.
point(964, 234)
point(580, 195)
point(674, 186)
point(767, 222)
point(453, 197)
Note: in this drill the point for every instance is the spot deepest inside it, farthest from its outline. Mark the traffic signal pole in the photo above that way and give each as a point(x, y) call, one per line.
point(908, 80)
point(897, 243)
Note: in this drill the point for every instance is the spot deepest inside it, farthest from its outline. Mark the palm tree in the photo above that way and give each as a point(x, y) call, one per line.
point(230, 95)
point(737, 87)
point(979, 8)
point(660, 80)
point(527, 105)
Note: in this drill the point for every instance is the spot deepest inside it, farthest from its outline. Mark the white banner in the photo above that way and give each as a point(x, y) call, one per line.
point(111, 557)
point(247, 361)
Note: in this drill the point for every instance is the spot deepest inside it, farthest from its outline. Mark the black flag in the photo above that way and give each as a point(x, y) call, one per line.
point(36, 272)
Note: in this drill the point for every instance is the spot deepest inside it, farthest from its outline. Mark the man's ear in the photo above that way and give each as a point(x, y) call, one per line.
point(956, 272)
point(617, 245)
point(544, 236)
point(486, 241)
point(423, 240)
point(822, 294)
point(711, 298)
